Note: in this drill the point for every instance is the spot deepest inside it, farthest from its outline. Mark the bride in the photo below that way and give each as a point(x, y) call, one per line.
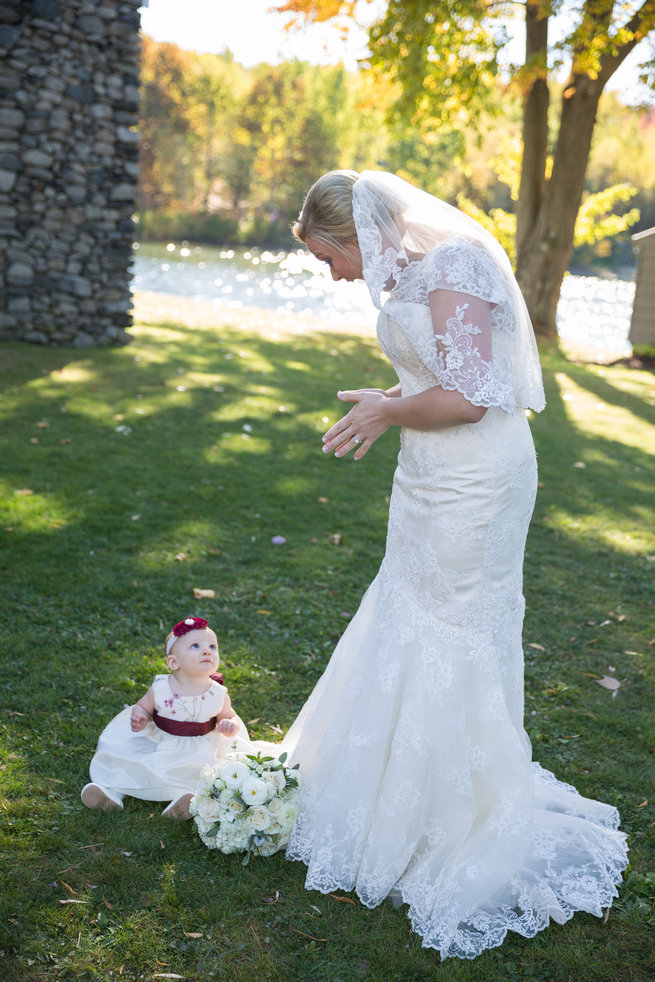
point(425, 792)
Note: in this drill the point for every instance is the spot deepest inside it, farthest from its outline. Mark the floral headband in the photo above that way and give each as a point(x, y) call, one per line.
point(183, 627)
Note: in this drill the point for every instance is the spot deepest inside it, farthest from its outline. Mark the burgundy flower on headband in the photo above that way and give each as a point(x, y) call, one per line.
point(189, 624)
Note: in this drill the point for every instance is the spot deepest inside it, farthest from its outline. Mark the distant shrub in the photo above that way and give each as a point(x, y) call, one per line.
point(162, 226)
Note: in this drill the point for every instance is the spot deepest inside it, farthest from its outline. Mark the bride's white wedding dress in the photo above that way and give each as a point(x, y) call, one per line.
point(418, 778)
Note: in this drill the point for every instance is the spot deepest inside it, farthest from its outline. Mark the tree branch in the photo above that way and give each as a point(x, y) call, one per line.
point(639, 25)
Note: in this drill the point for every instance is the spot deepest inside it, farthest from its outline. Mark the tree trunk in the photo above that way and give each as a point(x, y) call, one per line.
point(535, 124)
point(546, 250)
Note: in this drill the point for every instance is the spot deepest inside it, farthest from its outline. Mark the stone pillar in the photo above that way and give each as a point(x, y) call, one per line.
point(69, 92)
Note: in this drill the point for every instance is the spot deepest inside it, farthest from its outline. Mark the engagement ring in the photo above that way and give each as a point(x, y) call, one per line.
point(356, 439)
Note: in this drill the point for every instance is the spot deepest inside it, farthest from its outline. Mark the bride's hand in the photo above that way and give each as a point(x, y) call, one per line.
point(359, 428)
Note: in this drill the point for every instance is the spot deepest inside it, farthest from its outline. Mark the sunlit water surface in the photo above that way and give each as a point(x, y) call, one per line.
point(593, 312)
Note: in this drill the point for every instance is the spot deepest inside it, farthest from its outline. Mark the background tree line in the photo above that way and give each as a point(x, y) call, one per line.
point(227, 153)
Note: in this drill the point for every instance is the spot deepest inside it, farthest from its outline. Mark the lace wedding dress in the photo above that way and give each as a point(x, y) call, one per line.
point(418, 778)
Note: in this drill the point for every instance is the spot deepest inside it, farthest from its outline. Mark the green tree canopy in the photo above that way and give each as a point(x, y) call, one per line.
point(444, 54)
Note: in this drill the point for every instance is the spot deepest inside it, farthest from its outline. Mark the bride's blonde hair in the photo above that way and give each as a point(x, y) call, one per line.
point(327, 211)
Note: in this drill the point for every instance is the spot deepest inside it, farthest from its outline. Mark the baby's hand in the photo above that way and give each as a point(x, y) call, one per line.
point(228, 727)
point(138, 719)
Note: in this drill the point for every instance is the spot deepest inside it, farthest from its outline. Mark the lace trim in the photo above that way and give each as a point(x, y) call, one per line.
point(571, 865)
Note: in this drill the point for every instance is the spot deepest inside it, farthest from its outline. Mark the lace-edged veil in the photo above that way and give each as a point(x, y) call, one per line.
point(398, 225)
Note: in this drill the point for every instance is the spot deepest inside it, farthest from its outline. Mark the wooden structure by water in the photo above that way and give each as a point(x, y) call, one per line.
point(642, 325)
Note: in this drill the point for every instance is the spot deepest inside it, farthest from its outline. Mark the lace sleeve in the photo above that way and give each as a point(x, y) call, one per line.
point(464, 345)
point(465, 268)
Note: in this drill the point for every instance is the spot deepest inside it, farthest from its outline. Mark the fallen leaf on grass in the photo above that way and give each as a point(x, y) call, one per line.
point(193, 934)
point(643, 804)
point(343, 900)
point(181, 556)
point(71, 901)
point(203, 594)
point(273, 899)
point(539, 647)
point(24, 491)
point(323, 500)
point(167, 975)
point(70, 889)
point(336, 539)
point(610, 683)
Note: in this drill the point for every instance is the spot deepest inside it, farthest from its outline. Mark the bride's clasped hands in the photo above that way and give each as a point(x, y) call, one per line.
point(359, 429)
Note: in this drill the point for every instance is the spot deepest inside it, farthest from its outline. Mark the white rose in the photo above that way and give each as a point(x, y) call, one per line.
point(254, 791)
point(234, 773)
point(278, 780)
point(208, 809)
point(287, 814)
point(258, 818)
point(231, 806)
point(275, 805)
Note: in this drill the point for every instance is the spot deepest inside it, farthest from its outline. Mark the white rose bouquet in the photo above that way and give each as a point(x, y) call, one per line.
point(246, 803)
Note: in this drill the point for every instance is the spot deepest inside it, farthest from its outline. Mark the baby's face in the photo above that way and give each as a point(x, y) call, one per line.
point(195, 653)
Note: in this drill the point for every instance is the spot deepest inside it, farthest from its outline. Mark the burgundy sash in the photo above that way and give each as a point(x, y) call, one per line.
point(179, 728)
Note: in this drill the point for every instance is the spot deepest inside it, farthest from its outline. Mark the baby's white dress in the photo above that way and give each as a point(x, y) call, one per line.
point(155, 765)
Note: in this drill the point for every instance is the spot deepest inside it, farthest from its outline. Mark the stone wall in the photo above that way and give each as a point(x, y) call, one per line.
point(69, 91)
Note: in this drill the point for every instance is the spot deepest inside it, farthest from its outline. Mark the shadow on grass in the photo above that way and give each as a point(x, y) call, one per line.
point(170, 465)
point(136, 493)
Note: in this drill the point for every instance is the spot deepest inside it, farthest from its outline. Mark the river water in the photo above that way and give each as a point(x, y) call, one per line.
point(594, 312)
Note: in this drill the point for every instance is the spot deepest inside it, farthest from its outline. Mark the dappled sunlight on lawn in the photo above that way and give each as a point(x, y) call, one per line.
point(604, 418)
point(33, 509)
point(600, 530)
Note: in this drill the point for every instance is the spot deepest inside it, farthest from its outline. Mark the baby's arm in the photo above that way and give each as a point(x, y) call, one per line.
point(142, 711)
point(228, 723)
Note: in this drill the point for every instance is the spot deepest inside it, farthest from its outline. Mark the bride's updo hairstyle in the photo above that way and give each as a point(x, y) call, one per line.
point(327, 212)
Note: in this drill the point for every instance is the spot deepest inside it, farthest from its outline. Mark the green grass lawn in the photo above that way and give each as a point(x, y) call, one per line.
point(132, 477)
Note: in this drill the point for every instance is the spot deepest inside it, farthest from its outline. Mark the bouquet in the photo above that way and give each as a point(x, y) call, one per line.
point(246, 803)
